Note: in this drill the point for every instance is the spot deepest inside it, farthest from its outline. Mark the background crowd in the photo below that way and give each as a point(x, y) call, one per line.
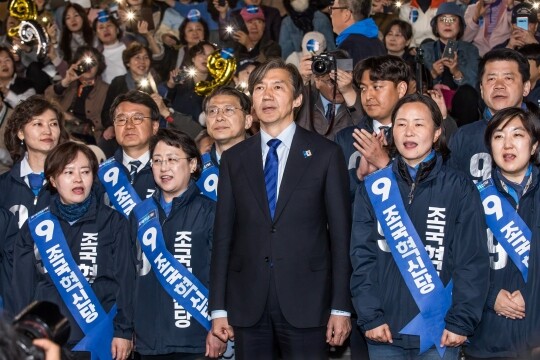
point(426, 88)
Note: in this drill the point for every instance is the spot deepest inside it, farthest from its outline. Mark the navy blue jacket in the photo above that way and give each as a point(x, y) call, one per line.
point(469, 153)
point(497, 336)
point(361, 47)
point(8, 231)
point(161, 327)
point(17, 196)
point(113, 280)
point(444, 201)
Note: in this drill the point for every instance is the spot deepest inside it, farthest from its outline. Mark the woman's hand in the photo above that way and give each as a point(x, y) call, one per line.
point(242, 38)
point(438, 97)
point(437, 68)
point(222, 10)
point(170, 82)
point(481, 10)
point(121, 348)
point(71, 75)
point(450, 339)
point(452, 65)
point(380, 334)
point(509, 305)
point(214, 346)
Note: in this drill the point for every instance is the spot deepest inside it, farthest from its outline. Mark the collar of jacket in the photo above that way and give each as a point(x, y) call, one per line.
point(191, 192)
point(425, 170)
point(91, 214)
point(532, 184)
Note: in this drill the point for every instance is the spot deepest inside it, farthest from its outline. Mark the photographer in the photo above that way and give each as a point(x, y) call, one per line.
point(331, 103)
point(81, 94)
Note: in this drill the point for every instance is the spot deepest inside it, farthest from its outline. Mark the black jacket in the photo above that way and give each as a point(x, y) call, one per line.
point(361, 47)
point(440, 195)
point(497, 336)
point(161, 326)
point(113, 280)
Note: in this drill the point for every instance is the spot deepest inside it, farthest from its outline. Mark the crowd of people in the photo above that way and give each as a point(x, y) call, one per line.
point(366, 178)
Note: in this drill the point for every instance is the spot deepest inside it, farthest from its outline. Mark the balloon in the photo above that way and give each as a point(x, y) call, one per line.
point(221, 65)
point(29, 29)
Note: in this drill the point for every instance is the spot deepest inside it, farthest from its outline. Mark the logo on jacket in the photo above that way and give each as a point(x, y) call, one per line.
point(413, 15)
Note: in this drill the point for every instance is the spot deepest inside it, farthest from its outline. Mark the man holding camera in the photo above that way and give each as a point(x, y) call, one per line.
point(330, 101)
point(357, 32)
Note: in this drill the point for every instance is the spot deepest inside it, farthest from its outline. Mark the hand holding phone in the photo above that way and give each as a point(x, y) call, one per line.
point(522, 22)
point(450, 50)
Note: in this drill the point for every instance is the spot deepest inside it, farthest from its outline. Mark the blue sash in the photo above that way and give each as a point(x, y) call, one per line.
point(76, 292)
point(177, 281)
point(412, 260)
point(208, 181)
point(507, 226)
point(121, 193)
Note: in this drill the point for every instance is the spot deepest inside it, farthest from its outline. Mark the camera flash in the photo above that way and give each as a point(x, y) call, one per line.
point(88, 60)
point(192, 72)
point(130, 15)
point(398, 4)
point(144, 83)
point(229, 29)
point(536, 5)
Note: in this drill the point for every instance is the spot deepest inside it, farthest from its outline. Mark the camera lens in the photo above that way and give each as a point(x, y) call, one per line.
point(319, 67)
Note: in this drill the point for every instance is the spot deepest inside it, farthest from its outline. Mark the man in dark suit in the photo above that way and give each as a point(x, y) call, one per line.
point(280, 270)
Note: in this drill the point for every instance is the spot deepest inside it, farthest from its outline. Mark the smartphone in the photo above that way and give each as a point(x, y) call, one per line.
point(147, 15)
point(522, 22)
point(344, 64)
point(450, 49)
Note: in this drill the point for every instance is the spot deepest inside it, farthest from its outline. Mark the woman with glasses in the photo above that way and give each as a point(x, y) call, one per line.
point(174, 226)
point(77, 254)
point(450, 68)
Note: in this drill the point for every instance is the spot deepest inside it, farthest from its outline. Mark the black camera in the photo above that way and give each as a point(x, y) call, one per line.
point(183, 75)
point(85, 65)
point(40, 319)
point(322, 64)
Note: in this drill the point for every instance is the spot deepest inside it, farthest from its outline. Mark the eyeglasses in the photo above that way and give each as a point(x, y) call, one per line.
point(171, 161)
point(228, 111)
point(136, 119)
point(447, 19)
point(332, 8)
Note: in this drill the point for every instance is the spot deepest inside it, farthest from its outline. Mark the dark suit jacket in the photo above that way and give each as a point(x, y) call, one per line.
point(306, 246)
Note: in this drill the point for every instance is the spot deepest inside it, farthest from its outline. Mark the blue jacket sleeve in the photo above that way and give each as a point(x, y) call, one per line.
point(364, 279)
point(470, 259)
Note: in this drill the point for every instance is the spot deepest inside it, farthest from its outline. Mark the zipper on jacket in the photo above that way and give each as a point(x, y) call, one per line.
point(411, 195)
point(35, 200)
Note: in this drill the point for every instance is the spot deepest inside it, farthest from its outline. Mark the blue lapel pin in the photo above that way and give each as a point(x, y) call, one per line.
point(307, 153)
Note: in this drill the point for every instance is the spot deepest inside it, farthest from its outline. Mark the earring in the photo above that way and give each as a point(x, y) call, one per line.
point(22, 142)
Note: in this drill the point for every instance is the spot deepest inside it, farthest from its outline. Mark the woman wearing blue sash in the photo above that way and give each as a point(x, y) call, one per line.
point(174, 237)
point(418, 245)
point(511, 314)
point(77, 253)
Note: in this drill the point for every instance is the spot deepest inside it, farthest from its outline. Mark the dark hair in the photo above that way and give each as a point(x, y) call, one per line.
point(22, 114)
point(386, 67)
point(505, 54)
point(196, 50)
point(132, 50)
point(182, 30)
point(136, 97)
point(245, 101)
point(404, 27)
point(531, 52)
point(10, 54)
point(64, 154)
point(360, 9)
point(115, 22)
point(79, 54)
point(86, 29)
point(440, 145)
point(179, 140)
point(530, 122)
point(260, 72)
point(435, 21)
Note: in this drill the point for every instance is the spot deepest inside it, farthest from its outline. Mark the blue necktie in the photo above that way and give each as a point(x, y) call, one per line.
point(36, 182)
point(329, 111)
point(271, 174)
point(133, 171)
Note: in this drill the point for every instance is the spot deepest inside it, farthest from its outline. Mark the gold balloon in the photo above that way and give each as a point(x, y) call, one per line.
point(221, 69)
point(21, 10)
point(29, 29)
